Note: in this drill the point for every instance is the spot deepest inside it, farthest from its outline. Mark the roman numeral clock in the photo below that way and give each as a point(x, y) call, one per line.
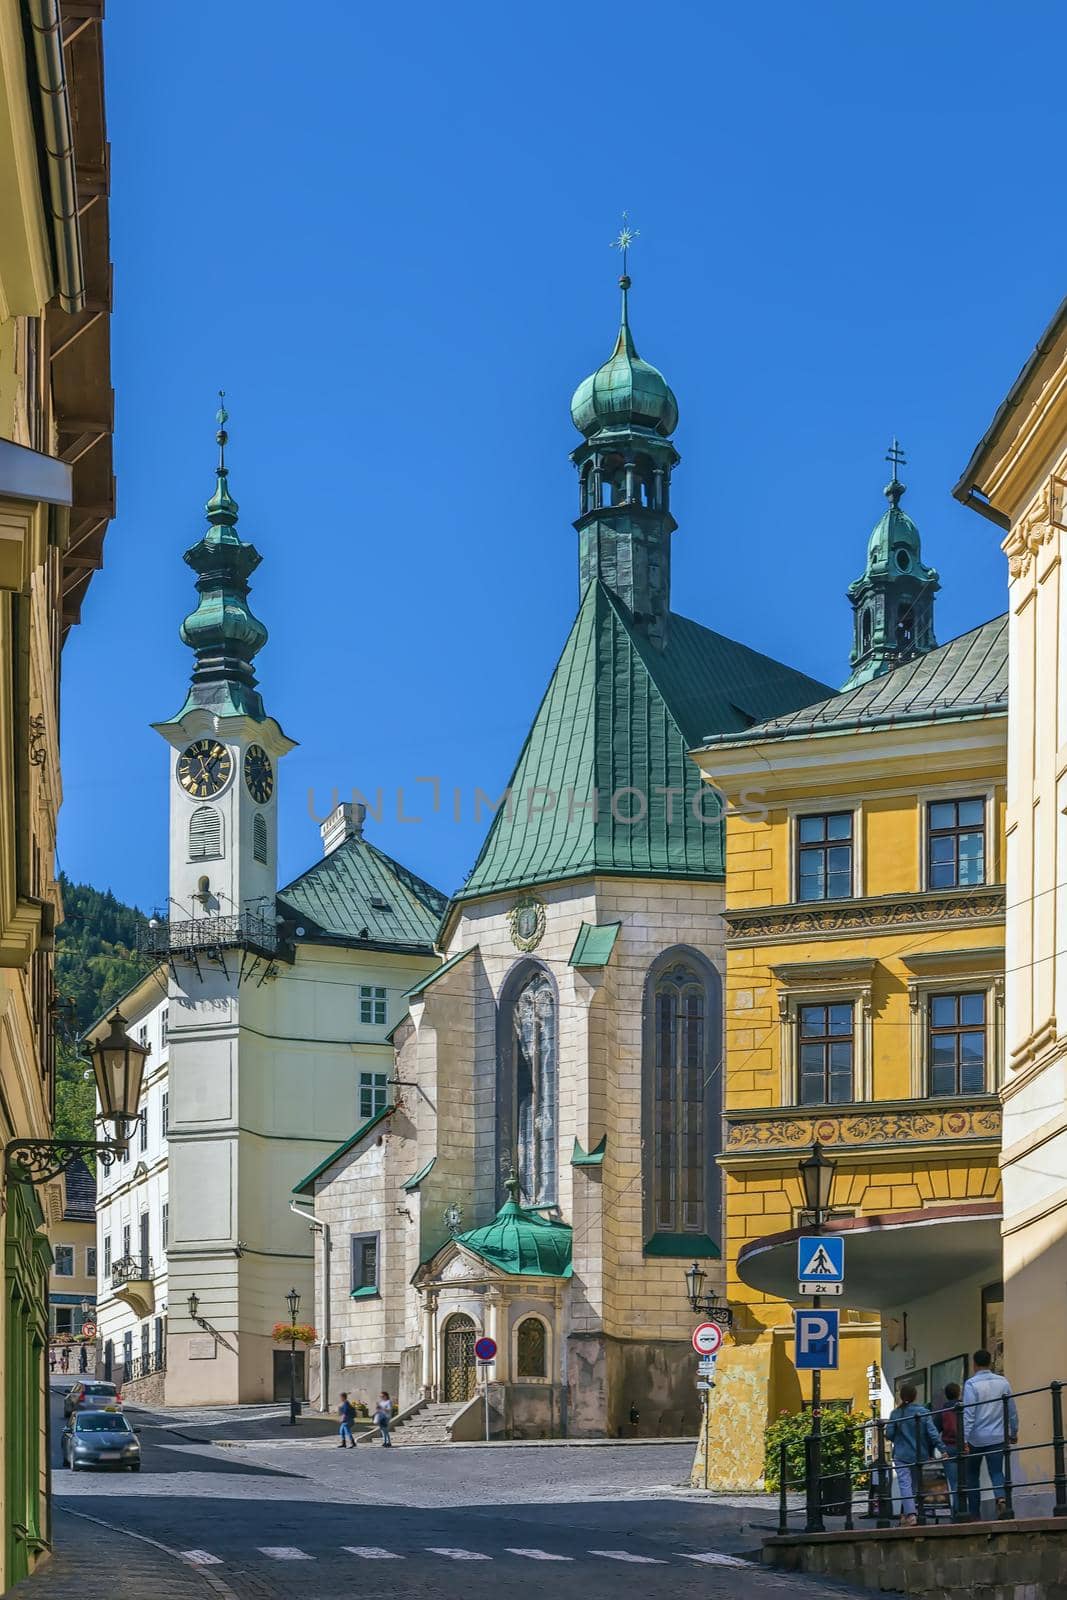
point(204, 768)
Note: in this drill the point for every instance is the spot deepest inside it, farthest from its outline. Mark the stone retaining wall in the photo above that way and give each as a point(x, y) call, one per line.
point(996, 1561)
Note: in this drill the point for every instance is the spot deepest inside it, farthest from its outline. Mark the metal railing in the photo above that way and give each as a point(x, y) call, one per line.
point(161, 938)
point(132, 1269)
point(939, 1479)
point(145, 1366)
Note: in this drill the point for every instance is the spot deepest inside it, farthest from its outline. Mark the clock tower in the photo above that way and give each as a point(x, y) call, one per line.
point(223, 792)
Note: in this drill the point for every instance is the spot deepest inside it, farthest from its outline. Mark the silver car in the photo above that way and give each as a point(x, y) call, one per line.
point(100, 1439)
point(91, 1395)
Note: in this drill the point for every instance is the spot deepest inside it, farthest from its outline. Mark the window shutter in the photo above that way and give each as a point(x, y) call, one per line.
point(259, 838)
point(205, 834)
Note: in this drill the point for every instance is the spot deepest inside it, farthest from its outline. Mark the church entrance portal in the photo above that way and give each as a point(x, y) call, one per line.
point(460, 1372)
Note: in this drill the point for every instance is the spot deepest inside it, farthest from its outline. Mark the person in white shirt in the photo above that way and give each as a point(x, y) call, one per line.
point(987, 1429)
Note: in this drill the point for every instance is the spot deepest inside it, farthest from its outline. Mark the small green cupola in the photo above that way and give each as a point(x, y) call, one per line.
point(222, 631)
point(521, 1242)
point(893, 602)
point(626, 413)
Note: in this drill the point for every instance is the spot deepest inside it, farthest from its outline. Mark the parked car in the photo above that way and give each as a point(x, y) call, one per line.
point(100, 1439)
point(92, 1396)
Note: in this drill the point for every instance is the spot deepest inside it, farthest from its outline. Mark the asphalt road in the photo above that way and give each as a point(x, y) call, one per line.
point(271, 1519)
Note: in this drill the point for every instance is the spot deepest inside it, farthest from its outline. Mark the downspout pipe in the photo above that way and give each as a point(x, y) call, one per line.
point(322, 1228)
point(59, 152)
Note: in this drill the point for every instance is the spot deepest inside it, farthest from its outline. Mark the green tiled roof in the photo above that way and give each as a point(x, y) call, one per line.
point(522, 1242)
point(359, 895)
point(594, 944)
point(619, 717)
point(967, 677)
point(307, 1185)
point(438, 972)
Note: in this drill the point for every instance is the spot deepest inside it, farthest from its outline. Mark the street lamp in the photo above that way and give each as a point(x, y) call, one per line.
point(817, 1182)
point(292, 1300)
point(193, 1303)
point(817, 1177)
point(705, 1305)
point(118, 1067)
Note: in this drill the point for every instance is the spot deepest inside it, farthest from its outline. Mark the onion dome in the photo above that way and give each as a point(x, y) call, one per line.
point(625, 391)
point(894, 543)
point(522, 1242)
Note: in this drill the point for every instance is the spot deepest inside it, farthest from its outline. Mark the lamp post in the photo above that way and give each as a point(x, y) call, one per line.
point(817, 1182)
point(705, 1305)
point(292, 1300)
point(118, 1067)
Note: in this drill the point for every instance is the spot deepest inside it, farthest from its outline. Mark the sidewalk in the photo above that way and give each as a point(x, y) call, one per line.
point(90, 1562)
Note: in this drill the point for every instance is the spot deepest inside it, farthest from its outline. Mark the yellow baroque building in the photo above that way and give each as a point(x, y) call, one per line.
point(864, 997)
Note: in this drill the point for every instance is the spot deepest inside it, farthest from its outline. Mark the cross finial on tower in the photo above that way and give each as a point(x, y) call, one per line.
point(222, 417)
point(896, 458)
point(624, 239)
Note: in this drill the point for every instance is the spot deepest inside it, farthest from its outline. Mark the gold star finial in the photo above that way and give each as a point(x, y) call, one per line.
point(625, 239)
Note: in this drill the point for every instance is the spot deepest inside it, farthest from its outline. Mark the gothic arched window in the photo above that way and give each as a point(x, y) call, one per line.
point(682, 1100)
point(528, 1084)
point(259, 838)
point(866, 639)
point(531, 1349)
point(205, 834)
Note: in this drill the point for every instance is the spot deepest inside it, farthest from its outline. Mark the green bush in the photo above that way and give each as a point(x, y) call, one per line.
point(841, 1430)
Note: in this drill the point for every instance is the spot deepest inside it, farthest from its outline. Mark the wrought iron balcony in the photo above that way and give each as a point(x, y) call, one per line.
point(132, 1269)
point(145, 1366)
point(164, 939)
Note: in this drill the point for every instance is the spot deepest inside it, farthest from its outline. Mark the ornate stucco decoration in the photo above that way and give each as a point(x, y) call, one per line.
point(935, 1122)
point(526, 920)
point(1038, 525)
point(848, 916)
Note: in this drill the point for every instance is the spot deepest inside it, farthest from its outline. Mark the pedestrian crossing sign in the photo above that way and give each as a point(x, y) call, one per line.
point(821, 1260)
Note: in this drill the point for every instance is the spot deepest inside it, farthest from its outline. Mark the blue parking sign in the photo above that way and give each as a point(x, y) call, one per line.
point(817, 1340)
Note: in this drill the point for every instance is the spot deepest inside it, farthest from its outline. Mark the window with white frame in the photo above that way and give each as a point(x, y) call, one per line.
point(143, 1139)
point(142, 1036)
point(164, 1113)
point(164, 1225)
point(824, 856)
point(107, 1255)
point(90, 1261)
point(373, 1094)
point(164, 1027)
point(64, 1265)
point(956, 843)
point(372, 1004)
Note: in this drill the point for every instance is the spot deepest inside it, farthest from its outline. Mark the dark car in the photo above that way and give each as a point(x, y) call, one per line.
point(92, 1396)
point(100, 1439)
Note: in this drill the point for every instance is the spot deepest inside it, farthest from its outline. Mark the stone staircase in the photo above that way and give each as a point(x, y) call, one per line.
point(428, 1426)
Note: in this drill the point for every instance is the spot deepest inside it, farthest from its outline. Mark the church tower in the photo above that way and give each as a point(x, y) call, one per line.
point(627, 413)
point(893, 602)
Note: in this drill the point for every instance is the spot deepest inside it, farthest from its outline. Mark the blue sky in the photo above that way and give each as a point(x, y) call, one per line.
point(384, 231)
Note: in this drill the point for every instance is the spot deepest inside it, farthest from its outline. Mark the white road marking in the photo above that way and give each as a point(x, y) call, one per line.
point(537, 1555)
point(714, 1558)
point(628, 1555)
point(371, 1552)
point(457, 1555)
point(201, 1558)
point(284, 1552)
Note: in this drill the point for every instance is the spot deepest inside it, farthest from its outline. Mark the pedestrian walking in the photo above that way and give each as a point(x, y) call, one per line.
point(946, 1421)
point(383, 1412)
point(51, 1358)
point(346, 1412)
point(987, 1433)
point(83, 1358)
point(911, 1432)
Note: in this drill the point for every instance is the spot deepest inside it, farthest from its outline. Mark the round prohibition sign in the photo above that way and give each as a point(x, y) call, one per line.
point(89, 1330)
point(707, 1338)
point(485, 1349)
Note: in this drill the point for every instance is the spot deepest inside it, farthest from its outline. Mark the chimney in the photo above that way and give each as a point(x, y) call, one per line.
point(344, 822)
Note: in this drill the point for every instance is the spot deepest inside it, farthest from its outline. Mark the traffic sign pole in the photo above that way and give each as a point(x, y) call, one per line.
point(485, 1351)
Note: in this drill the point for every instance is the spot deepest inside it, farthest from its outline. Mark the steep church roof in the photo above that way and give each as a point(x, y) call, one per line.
point(359, 895)
point(966, 677)
point(617, 722)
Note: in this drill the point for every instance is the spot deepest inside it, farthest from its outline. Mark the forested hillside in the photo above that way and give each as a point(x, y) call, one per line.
point(96, 962)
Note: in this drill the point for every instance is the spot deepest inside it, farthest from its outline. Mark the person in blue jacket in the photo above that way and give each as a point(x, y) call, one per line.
point(911, 1432)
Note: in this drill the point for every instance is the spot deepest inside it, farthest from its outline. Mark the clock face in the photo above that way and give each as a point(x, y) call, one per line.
point(259, 774)
point(204, 768)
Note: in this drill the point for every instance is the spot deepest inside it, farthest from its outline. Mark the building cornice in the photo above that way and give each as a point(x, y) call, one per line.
point(867, 914)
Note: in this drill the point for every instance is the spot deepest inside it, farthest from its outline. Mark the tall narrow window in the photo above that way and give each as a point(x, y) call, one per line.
point(534, 1039)
point(679, 1175)
point(531, 1349)
point(164, 1114)
point(107, 1255)
point(205, 834)
point(164, 1027)
point(824, 856)
point(957, 1044)
point(259, 838)
point(956, 843)
point(825, 1054)
point(164, 1226)
point(364, 1263)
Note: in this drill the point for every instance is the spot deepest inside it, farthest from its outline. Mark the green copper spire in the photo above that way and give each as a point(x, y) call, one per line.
point(222, 631)
point(893, 602)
